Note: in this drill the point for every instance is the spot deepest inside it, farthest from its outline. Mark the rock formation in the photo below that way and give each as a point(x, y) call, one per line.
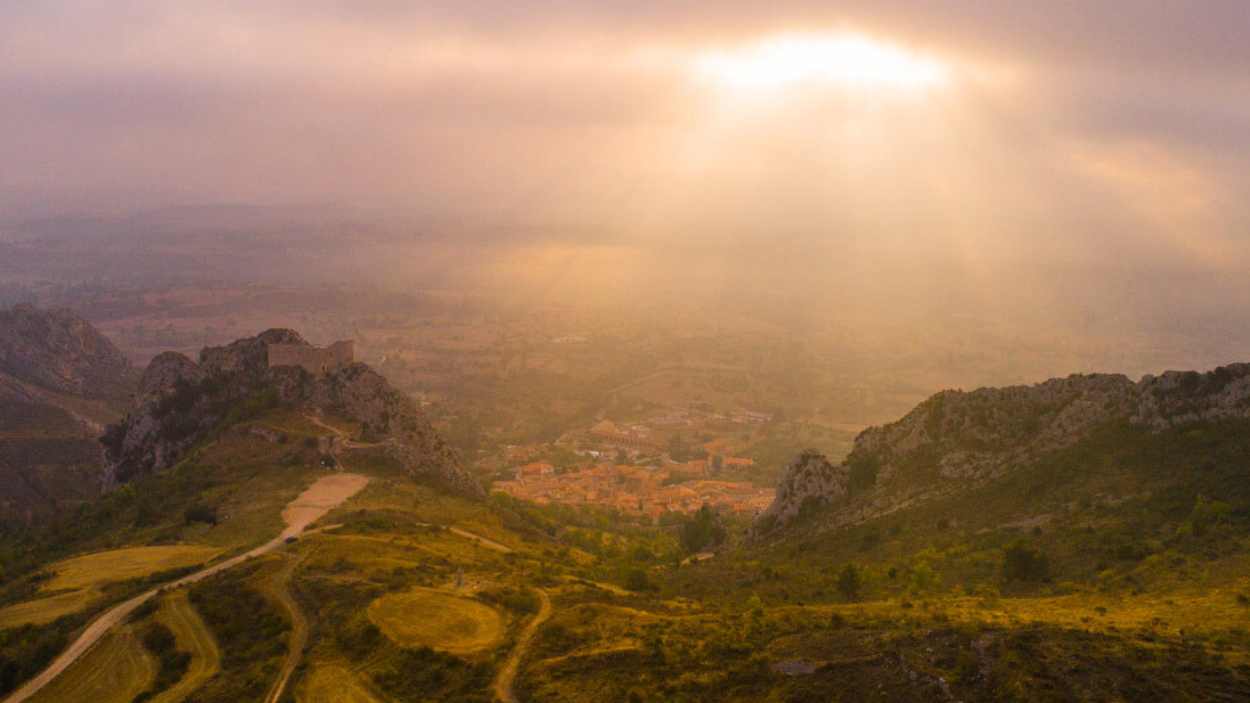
point(60, 351)
point(182, 402)
point(957, 439)
point(61, 381)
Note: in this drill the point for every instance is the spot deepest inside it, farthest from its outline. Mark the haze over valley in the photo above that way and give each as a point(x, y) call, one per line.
point(641, 351)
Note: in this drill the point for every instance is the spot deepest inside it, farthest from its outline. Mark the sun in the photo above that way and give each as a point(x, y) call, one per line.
point(851, 61)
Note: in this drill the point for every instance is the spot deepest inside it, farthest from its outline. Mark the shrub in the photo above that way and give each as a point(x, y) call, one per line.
point(637, 580)
point(1024, 563)
point(518, 601)
point(200, 512)
point(849, 582)
point(172, 664)
point(702, 530)
point(862, 474)
point(424, 674)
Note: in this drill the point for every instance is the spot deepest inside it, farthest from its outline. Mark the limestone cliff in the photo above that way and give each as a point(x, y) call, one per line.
point(60, 351)
point(182, 401)
point(958, 439)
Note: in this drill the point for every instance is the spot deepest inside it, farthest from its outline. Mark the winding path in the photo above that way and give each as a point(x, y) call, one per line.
point(311, 505)
point(347, 440)
point(279, 588)
point(507, 673)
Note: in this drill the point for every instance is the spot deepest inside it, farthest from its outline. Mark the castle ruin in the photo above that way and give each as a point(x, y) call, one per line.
point(315, 360)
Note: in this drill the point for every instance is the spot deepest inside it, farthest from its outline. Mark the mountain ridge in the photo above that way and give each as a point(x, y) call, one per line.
point(957, 439)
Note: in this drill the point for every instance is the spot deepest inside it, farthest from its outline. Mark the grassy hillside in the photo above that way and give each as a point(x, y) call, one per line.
point(193, 636)
point(115, 671)
point(1115, 569)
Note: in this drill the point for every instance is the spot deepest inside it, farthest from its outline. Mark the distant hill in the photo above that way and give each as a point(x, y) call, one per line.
point(957, 441)
point(61, 382)
point(59, 351)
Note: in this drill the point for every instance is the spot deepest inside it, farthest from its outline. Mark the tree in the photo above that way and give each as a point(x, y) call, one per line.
point(1207, 513)
point(850, 582)
point(637, 580)
point(923, 577)
point(701, 530)
point(862, 474)
point(755, 606)
point(1024, 563)
point(200, 512)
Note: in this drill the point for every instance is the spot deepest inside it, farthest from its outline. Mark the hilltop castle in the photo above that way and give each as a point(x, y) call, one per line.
point(314, 360)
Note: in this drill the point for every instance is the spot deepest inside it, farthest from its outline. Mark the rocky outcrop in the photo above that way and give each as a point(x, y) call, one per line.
point(61, 381)
point(810, 477)
point(182, 402)
point(57, 350)
point(958, 439)
point(165, 371)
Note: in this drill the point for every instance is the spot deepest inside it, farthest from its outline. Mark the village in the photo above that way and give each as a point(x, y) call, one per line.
point(629, 469)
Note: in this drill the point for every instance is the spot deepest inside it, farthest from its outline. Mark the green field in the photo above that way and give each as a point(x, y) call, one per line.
point(428, 618)
point(114, 671)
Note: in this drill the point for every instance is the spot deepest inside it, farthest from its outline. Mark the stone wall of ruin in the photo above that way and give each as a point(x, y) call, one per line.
point(314, 360)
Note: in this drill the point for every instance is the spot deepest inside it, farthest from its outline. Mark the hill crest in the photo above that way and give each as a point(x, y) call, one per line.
point(182, 402)
point(957, 440)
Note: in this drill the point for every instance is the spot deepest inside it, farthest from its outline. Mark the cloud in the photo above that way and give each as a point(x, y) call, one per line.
point(1084, 135)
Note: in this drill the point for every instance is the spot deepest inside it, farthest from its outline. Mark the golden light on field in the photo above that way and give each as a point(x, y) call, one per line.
point(848, 60)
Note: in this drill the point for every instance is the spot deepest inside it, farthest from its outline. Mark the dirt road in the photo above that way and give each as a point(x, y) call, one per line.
point(507, 673)
point(347, 440)
point(320, 498)
point(279, 588)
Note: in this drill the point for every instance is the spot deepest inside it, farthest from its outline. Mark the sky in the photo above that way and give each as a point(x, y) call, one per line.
point(1053, 154)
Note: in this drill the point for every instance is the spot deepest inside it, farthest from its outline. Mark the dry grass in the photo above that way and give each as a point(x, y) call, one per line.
point(94, 570)
point(194, 637)
point(331, 683)
point(45, 610)
point(114, 671)
point(430, 618)
point(383, 552)
point(1201, 611)
point(77, 582)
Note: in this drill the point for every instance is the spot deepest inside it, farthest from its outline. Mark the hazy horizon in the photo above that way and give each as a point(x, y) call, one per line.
point(1071, 171)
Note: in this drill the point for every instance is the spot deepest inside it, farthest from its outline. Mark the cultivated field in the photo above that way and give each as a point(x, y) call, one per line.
point(194, 637)
point(114, 671)
point(94, 570)
point(45, 610)
point(78, 582)
point(430, 618)
point(334, 684)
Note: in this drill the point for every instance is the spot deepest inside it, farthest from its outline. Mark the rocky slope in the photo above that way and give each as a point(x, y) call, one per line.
point(181, 401)
point(61, 381)
point(59, 351)
point(956, 440)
